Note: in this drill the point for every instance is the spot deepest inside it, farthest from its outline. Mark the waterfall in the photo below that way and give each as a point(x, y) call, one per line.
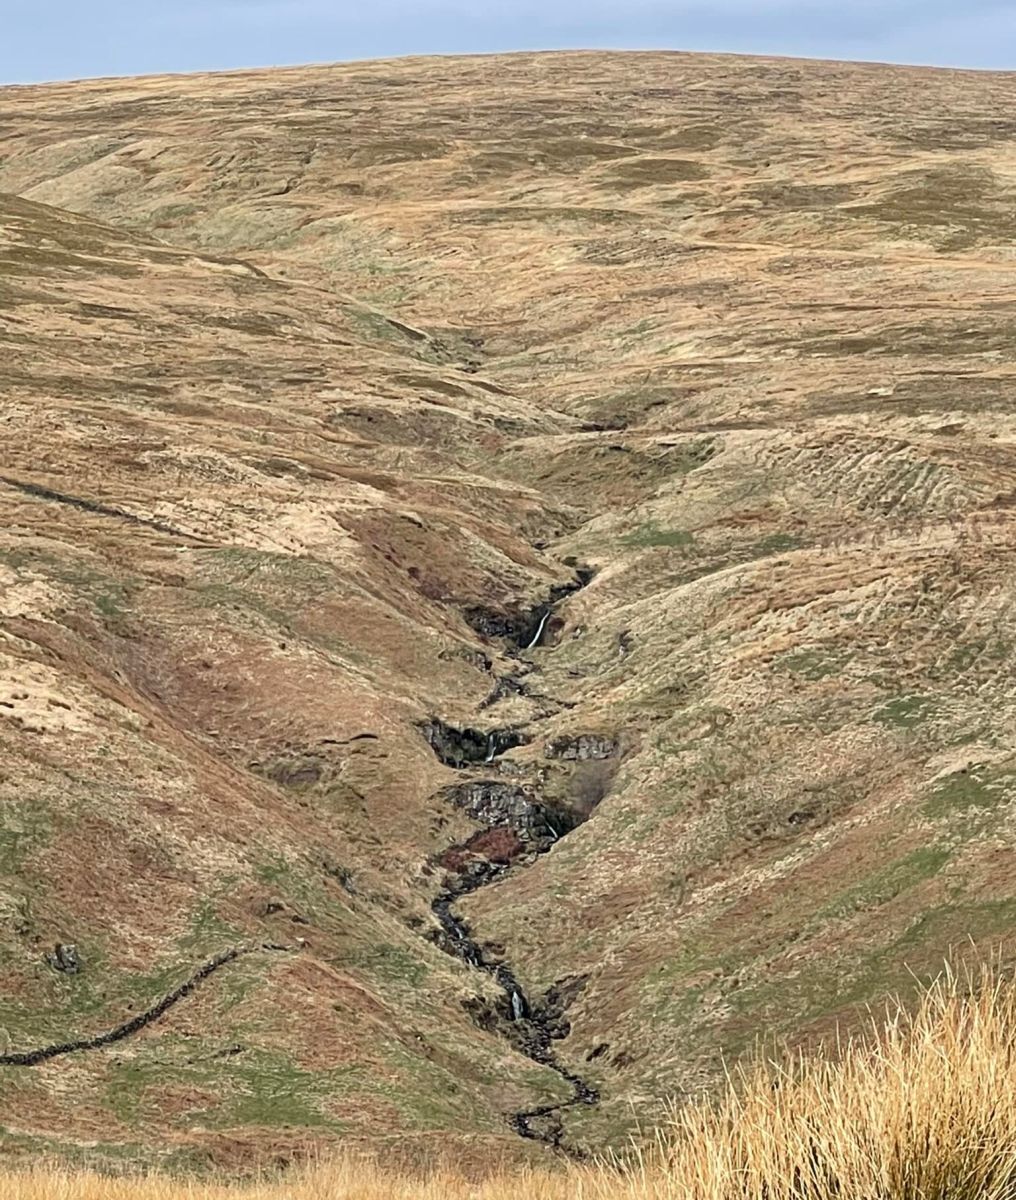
point(539, 630)
point(491, 747)
point(518, 1006)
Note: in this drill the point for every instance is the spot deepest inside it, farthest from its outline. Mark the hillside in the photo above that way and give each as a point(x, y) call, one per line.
point(612, 449)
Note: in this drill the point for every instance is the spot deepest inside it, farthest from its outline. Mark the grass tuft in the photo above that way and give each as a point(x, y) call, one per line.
point(920, 1109)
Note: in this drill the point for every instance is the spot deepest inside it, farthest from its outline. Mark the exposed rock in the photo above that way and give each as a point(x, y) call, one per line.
point(523, 627)
point(505, 804)
point(506, 686)
point(490, 623)
point(459, 747)
point(475, 658)
point(550, 1009)
point(581, 747)
point(65, 958)
point(294, 773)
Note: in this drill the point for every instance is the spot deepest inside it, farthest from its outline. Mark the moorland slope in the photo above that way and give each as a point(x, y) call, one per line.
point(530, 541)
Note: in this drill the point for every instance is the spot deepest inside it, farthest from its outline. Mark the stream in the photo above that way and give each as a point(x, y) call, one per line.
point(514, 811)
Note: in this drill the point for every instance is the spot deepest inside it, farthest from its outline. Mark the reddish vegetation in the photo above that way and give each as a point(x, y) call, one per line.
point(499, 845)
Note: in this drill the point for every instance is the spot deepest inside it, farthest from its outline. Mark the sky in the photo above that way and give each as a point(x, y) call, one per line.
point(68, 39)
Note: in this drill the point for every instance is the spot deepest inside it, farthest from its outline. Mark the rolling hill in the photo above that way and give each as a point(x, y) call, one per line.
point(506, 586)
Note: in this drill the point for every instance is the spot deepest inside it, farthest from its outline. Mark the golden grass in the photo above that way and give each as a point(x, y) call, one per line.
point(925, 1109)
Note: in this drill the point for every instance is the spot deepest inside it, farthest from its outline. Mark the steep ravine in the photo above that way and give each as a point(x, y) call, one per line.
point(518, 827)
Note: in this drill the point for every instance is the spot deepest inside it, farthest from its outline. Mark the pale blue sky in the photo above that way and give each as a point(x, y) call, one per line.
point(61, 39)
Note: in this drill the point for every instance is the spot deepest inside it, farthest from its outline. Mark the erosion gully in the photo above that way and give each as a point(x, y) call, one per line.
point(508, 810)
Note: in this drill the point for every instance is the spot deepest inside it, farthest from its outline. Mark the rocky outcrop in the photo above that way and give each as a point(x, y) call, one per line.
point(495, 803)
point(524, 628)
point(65, 958)
point(460, 747)
point(582, 747)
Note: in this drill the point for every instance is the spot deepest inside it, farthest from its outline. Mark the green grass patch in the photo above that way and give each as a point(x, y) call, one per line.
point(905, 712)
point(775, 543)
point(392, 964)
point(651, 534)
point(887, 883)
point(965, 791)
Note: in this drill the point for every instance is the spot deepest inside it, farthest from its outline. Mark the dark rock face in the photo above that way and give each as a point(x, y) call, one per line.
point(497, 804)
point(494, 803)
point(460, 747)
point(474, 657)
point(523, 627)
point(65, 958)
point(582, 747)
point(550, 1009)
point(490, 623)
point(298, 773)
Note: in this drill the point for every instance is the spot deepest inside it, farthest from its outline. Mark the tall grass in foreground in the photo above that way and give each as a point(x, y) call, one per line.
point(925, 1109)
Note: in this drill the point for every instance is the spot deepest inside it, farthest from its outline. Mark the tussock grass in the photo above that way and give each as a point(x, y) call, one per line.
point(922, 1109)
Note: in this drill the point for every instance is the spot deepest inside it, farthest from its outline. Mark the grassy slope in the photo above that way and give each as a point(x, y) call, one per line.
point(167, 789)
point(920, 1109)
point(747, 326)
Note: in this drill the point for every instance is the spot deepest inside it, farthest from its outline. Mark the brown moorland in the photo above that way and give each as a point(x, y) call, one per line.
point(318, 386)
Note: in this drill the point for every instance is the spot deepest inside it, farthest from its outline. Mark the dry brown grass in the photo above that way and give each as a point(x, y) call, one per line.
point(922, 1111)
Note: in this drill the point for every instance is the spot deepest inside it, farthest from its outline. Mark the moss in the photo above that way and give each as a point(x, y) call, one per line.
point(801, 197)
point(691, 137)
point(775, 543)
point(962, 204)
point(208, 932)
point(273, 1093)
point(651, 534)
point(647, 172)
point(106, 1157)
point(905, 712)
point(24, 829)
point(253, 1088)
point(428, 1095)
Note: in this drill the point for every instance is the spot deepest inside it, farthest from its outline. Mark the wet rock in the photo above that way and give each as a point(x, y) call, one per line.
point(801, 817)
point(514, 770)
point(524, 627)
point(495, 804)
point(482, 1013)
point(492, 623)
point(581, 747)
point(460, 747)
point(550, 1010)
point(343, 875)
point(65, 958)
